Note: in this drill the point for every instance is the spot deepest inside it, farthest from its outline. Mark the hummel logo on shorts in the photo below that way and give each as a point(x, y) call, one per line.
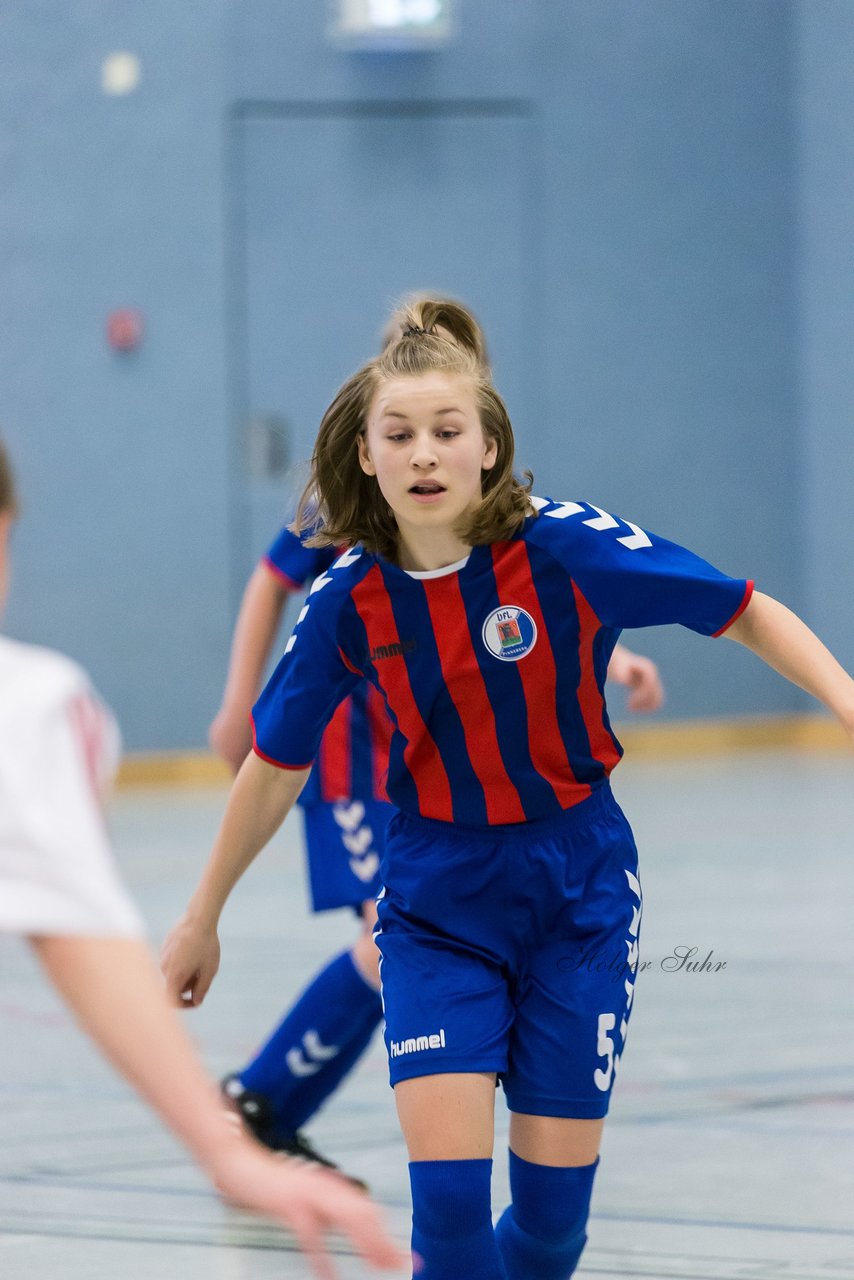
point(415, 1045)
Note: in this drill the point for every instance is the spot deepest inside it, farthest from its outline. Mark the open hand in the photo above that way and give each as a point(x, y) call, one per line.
point(310, 1202)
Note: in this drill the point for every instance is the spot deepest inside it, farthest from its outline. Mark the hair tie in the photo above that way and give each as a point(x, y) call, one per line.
point(412, 331)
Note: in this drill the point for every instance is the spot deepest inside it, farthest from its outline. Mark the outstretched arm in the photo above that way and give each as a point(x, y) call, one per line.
point(258, 804)
point(254, 632)
point(786, 643)
point(113, 988)
point(640, 676)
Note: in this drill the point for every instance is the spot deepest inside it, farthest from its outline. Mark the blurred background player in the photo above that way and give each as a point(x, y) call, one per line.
point(345, 813)
point(60, 889)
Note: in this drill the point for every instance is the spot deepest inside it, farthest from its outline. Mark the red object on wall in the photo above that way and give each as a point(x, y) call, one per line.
point(125, 328)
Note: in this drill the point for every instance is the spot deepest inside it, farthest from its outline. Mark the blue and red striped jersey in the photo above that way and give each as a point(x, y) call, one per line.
point(493, 670)
point(352, 759)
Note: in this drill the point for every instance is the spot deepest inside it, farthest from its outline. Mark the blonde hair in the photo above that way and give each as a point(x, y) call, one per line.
point(8, 497)
point(450, 318)
point(341, 505)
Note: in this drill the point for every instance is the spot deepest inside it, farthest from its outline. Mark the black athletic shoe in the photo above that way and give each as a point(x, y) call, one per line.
point(255, 1112)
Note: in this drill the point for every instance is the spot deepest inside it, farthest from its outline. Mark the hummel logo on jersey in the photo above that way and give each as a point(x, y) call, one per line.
point(395, 650)
point(417, 1044)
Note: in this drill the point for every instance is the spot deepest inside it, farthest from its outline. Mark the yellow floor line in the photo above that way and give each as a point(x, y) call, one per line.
point(662, 740)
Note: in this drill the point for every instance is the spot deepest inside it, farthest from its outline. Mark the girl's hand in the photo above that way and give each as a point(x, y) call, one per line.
point(640, 675)
point(230, 735)
point(189, 959)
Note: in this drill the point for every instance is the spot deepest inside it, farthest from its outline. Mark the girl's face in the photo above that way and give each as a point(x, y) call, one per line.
point(426, 446)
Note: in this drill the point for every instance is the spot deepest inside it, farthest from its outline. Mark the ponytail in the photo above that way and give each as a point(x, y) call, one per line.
point(442, 315)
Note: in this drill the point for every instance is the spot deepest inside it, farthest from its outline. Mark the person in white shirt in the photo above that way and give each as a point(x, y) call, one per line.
point(59, 889)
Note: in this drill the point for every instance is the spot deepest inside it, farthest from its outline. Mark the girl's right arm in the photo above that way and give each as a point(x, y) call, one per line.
point(260, 799)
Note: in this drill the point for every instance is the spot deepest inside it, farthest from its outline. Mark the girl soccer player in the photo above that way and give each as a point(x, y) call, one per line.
point(485, 618)
point(345, 813)
point(60, 890)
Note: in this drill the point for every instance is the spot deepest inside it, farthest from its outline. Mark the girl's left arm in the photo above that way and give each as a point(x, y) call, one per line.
point(786, 643)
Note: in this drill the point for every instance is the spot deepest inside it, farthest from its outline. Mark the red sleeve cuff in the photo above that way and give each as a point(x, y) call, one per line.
point(293, 768)
point(748, 592)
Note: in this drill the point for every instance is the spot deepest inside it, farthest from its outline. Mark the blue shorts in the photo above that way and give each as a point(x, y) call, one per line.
point(513, 950)
point(345, 843)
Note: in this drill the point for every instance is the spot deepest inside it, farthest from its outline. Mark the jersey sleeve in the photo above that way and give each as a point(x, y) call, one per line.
point(311, 679)
point(295, 564)
point(57, 872)
point(634, 578)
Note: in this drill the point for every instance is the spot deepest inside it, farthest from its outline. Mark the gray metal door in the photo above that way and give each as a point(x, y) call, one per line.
point(343, 210)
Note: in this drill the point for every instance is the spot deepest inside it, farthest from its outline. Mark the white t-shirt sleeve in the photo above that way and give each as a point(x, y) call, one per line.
point(58, 752)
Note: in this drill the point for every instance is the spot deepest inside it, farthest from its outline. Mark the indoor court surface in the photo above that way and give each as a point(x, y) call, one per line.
point(730, 1149)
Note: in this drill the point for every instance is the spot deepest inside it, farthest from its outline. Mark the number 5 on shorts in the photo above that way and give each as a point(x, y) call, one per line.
point(605, 1049)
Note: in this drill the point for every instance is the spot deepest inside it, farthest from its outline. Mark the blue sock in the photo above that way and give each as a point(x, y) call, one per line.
point(542, 1234)
point(310, 1096)
point(315, 1045)
point(452, 1229)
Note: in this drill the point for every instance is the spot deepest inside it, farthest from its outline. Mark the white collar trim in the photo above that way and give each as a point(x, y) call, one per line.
point(438, 573)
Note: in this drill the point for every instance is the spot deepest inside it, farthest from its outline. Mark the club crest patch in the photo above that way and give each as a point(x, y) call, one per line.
point(509, 633)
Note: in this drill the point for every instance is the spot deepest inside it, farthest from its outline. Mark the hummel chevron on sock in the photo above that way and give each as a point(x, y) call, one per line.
point(541, 1235)
point(314, 1047)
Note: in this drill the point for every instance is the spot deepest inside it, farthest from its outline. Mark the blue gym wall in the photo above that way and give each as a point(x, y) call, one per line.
point(690, 207)
point(824, 114)
point(108, 202)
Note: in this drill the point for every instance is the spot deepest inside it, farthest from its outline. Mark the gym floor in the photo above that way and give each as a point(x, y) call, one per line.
point(730, 1147)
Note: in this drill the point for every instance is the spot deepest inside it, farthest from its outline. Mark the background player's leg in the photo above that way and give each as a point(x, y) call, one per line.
point(366, 956)
point(314, 1047)
point(447, 1121)
point(325, 1033)
point(352, 1017)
